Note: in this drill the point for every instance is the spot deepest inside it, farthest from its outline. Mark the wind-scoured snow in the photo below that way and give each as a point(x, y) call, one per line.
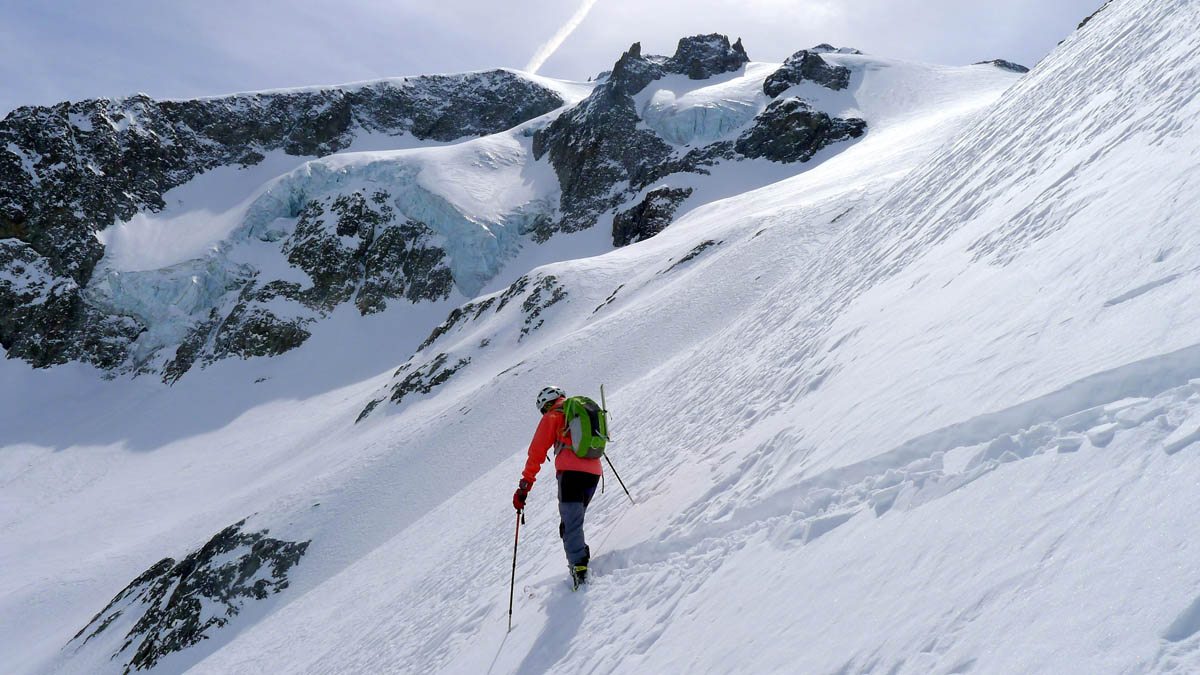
point(930, 406)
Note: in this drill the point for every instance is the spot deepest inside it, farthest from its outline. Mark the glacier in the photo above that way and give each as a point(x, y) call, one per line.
point(482, 197)
point(687, 112)
point(481, 207)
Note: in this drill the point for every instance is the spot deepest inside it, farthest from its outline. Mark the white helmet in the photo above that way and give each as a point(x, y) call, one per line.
point(549, 395)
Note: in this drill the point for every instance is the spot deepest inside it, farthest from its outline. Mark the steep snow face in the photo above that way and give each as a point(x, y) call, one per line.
point(276, 436)
point(1029, 221)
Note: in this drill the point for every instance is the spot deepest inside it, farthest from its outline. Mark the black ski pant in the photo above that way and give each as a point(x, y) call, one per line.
point(575, 490)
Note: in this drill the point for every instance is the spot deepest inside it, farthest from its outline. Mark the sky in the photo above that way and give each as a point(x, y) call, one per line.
point(55, 50)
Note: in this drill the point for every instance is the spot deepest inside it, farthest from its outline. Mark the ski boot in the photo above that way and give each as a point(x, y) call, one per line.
point(578, 576)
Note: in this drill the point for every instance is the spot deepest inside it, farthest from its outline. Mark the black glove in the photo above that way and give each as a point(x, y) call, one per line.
point(521, 495)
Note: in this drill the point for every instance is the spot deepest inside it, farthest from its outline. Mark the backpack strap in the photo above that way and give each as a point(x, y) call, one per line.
point(560, 443)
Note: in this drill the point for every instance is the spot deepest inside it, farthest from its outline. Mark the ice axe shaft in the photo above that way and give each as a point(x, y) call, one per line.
point(513, 584)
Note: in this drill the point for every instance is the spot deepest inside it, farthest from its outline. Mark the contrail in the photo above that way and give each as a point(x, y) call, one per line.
point(550, 46)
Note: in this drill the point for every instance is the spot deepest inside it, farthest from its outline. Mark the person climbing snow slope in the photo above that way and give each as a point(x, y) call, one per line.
point(577, 479)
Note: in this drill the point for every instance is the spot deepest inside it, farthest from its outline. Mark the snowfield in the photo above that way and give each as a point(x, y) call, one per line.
point(929, 405)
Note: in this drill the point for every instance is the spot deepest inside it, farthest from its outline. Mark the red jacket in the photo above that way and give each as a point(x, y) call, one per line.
point(550, 431)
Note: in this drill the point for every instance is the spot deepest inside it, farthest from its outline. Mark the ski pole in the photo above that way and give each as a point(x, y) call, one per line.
point(604, 407)
point(614, 470)
point(513, 584)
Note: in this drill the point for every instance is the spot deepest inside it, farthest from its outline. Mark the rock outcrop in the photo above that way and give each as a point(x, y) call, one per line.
point(1091, 16)
point(702, 56)
point(790, 130)
point(597, 144)
point(423, 372)
point(826, 48)
point(1005, 65)
point(803, 66)
point(177, 603)
point(649, 217)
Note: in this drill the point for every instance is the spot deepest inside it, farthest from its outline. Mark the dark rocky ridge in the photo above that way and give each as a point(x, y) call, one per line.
point(603, 159)
point(421, 374)
point(790, 130)
point(173, 599)
point(71, 170)
point(803, 66)
point(1004, 65)
point(1091, 16)
point(649, 217)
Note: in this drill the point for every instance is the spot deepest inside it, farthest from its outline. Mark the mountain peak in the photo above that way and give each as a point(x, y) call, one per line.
point(697, 56)
point(702, 56)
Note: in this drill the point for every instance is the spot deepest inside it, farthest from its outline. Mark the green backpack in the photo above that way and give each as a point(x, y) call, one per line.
point(588, 425)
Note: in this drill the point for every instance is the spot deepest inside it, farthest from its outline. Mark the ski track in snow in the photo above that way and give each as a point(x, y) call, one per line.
point(652, 580)
point(655, 577)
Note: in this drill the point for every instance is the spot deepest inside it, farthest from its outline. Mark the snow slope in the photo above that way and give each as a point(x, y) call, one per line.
point(930, 406)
